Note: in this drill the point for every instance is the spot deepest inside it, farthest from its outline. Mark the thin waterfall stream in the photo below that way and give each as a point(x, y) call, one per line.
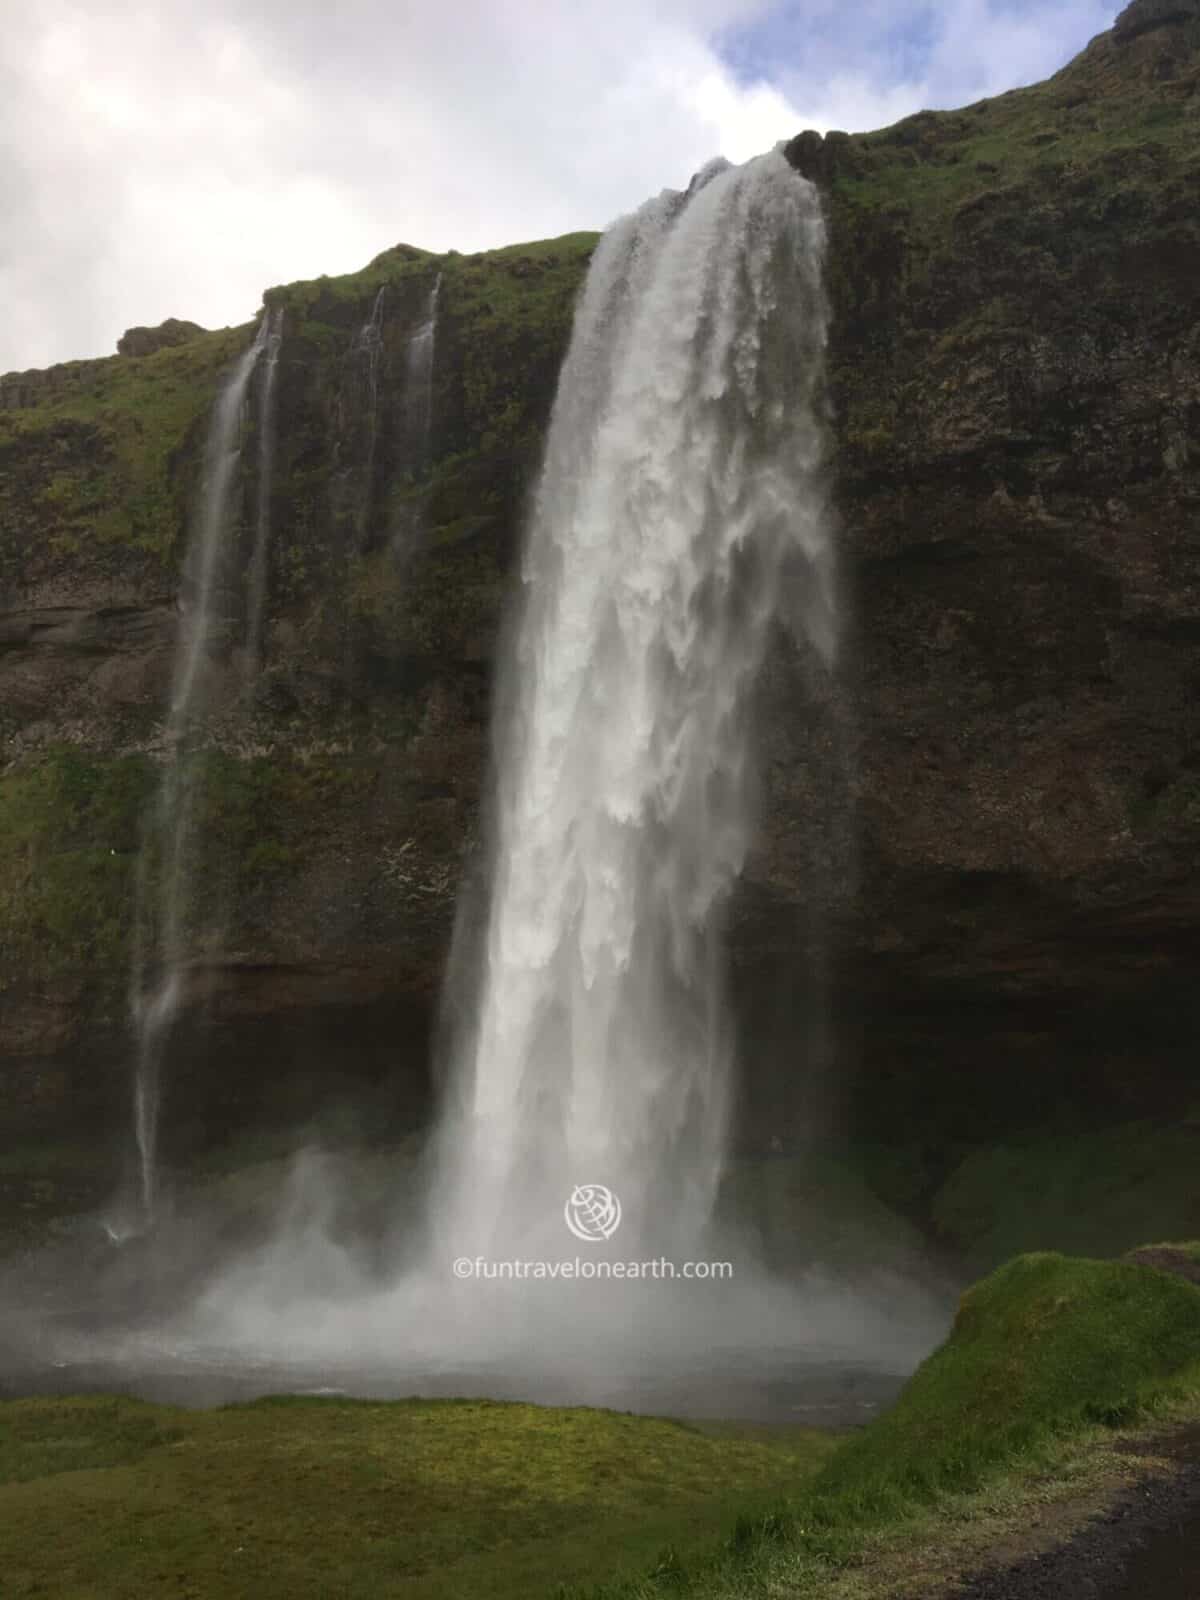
point(257, 597)
point(418, 384)
point(417, 420)
point(167, 864)
point(368, 348)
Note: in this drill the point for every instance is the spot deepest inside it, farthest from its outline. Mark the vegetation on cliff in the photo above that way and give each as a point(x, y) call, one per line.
point(106, 453)
point(99, 474)
point(1081, 191)
point(69, 834)
point(104, 457)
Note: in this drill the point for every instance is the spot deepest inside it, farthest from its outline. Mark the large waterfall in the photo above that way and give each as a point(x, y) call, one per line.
point(680, 481)
point(168, 864)
point(678, 515)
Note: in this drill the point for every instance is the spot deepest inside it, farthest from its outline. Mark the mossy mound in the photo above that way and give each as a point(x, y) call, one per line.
point(1044, 1350)
point(1045, 1346)
point(334, 1497)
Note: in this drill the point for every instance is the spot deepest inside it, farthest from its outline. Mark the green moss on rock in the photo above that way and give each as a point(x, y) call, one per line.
point(69, 827)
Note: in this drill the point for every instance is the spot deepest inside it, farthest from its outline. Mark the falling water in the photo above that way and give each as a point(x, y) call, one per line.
point(680, 500)
point(266, 459)
point(418, 383)
point(368, 348)
point(167, 865)
point(680, 481)
point(370, 339)
point(356, 481)
point(417, 416)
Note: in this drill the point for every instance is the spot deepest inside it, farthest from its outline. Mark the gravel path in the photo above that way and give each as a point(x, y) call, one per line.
point(1147, 1547)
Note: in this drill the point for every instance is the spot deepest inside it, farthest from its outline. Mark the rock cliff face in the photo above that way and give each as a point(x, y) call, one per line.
point(1017, 392)
point(979, 843)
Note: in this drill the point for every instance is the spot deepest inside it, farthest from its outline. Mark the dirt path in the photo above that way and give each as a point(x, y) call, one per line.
point(1146, 1546)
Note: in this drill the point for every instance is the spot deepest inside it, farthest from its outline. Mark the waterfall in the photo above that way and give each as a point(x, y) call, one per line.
point(417, 414)
point(418, 383)
point(678, 518)
point(353, 489)
point(257, 599)
point(167, 866)
point(368, 347)
point(680, 490)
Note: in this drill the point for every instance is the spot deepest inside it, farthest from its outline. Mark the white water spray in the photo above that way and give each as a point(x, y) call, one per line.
point(681, 475)
point(167, 864)
point(370, 342)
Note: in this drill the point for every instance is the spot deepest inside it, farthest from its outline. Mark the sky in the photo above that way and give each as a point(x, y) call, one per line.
point(174, 158)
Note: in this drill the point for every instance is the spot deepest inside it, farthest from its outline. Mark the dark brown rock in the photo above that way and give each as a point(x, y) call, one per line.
point(1142, 16)
point(1167, 1258)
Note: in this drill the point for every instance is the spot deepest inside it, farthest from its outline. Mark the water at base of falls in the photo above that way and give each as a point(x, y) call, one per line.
point(173, 1318)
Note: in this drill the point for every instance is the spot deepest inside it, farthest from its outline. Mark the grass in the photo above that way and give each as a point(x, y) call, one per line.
point(321, 1498)
point(1046, 1345)
point(1106, 116)
point(1048, 1357)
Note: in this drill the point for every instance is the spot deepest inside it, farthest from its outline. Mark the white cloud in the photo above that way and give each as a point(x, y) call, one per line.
point(983, 49)
point(160, 159)
point(897, 59)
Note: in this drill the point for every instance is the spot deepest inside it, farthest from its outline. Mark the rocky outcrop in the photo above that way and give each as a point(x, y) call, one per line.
point(21, 390)
point(145, 341)
point(979, 840)
point(1145, 15)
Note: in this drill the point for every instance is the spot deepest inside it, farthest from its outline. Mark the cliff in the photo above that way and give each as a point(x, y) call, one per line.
point(979, 843)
